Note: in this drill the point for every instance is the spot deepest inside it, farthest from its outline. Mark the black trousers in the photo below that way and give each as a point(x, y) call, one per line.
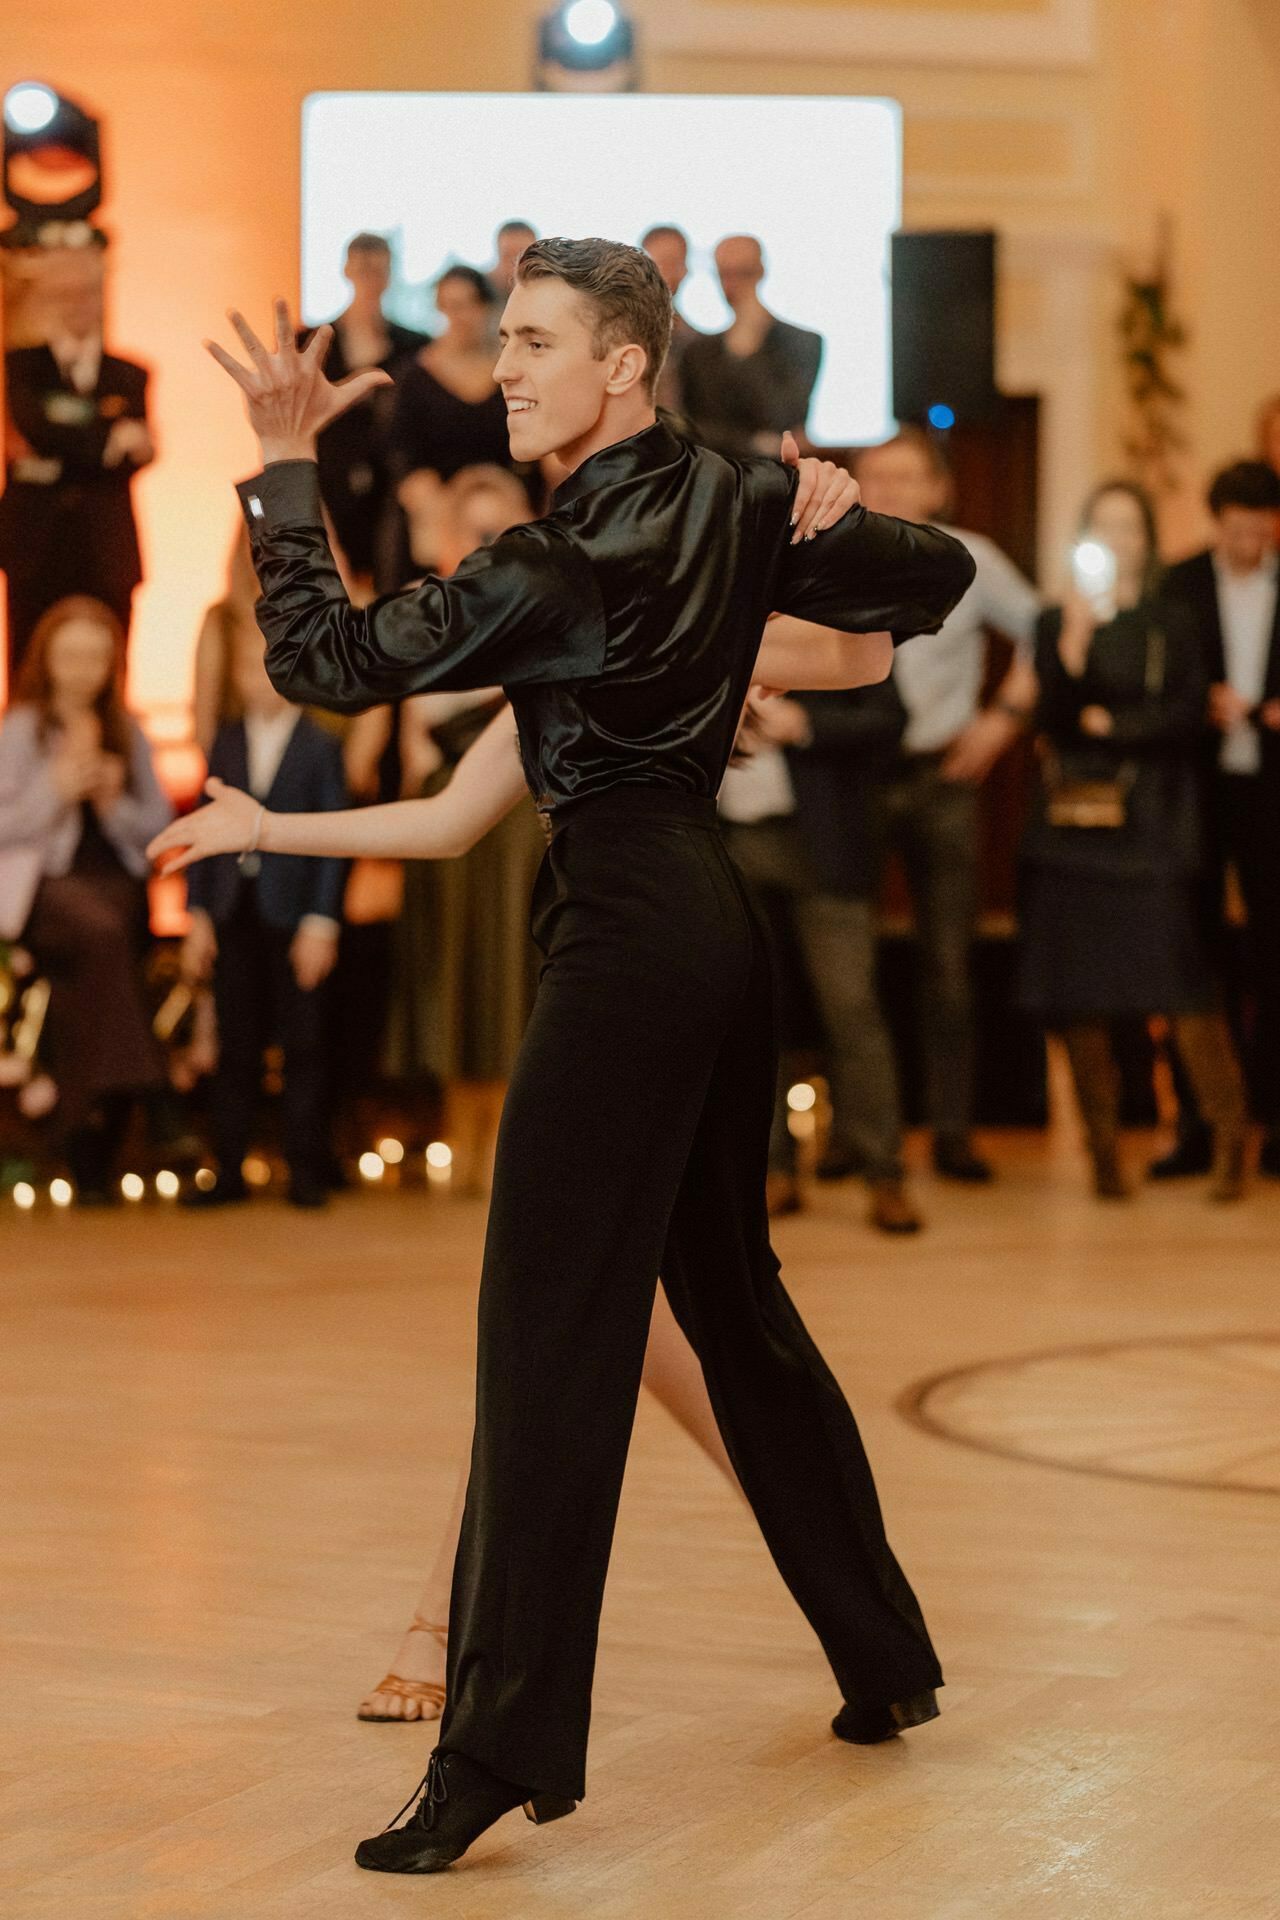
point(258, 1000)
point(635, 1142)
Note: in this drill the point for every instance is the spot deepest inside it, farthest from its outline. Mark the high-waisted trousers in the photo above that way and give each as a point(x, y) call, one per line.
point(634, 1143)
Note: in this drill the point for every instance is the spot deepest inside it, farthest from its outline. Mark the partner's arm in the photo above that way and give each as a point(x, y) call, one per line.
point(799, 654)
point(870, 573)
point(486, 785)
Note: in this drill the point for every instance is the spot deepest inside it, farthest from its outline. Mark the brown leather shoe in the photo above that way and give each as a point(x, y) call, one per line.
point(782, 1195)
point(891, 1208)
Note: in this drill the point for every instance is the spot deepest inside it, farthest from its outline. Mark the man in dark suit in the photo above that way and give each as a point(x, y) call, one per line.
point(79, 433)
point(1232, 590)
point(355, 479)
point(744, 387)
point(268, 929)
point(668, 248)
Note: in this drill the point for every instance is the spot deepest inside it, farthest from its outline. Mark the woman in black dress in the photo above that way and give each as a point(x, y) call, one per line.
point(1112, 854)
point(448, 414)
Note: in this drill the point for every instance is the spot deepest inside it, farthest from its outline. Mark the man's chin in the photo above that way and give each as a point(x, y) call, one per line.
point(526, 441)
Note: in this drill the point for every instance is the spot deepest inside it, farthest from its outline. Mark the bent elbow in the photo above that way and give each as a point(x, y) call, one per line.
point(866, 659)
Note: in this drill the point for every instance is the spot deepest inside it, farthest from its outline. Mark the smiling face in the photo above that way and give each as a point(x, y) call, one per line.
point(555, 388)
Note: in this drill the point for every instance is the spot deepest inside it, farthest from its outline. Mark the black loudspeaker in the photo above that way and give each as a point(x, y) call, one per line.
point(944, 312)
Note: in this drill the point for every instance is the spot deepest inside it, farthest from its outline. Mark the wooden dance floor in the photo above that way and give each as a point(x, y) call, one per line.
point(229, 1442)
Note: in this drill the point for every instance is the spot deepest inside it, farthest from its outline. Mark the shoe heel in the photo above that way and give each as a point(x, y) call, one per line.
point(547, 1806)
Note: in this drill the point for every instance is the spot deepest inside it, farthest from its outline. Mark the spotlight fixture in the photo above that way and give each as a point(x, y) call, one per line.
point(52, 176)
point(586, 46)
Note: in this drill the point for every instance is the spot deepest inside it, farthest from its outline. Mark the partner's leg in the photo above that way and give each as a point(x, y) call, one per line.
point(674, 1378)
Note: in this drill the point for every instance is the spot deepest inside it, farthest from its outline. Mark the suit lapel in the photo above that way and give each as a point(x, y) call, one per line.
point(1271, 685)
point(1217, 648)
point(238, 757)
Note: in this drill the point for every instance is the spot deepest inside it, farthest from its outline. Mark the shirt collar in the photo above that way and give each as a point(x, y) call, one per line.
point(639, 453)
point(1268, 572)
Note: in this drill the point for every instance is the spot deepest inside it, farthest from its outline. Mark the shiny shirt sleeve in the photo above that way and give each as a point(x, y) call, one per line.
point(870, 574)
point(522, 611)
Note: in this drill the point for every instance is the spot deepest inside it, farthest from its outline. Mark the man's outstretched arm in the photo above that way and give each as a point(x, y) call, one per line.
point(525, 609)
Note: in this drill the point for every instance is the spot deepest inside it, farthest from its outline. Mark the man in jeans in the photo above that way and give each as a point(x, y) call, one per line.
point(929, 803)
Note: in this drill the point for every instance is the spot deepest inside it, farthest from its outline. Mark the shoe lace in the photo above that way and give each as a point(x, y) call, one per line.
point(431, 1793)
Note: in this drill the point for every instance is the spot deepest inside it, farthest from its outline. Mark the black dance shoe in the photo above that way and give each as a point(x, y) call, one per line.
point(955, 1159)
point(1269, 1158)
point(868, 1726)
point(457, 1799)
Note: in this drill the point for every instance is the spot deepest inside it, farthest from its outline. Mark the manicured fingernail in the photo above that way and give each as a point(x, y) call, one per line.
point(794, 518)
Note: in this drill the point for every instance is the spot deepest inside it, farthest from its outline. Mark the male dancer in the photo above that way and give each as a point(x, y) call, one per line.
point(625, 627)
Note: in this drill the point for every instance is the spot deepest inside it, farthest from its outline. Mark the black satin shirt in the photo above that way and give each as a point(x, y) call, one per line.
point(624, 626)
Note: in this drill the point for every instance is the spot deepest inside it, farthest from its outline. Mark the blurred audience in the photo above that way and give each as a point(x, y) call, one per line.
point(266, 929)
point(510, 241)
point(79, 800)
point(668, 248)
point(743, 388)
point(802, 826)
point(1110, 914)
point(78, 433)
point(355, 478)
point(464, 966)
point(1230, 594)
point(929, 802)
point(448, 415)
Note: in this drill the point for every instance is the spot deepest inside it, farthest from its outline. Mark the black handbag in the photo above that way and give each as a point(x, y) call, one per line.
point(1102, 804)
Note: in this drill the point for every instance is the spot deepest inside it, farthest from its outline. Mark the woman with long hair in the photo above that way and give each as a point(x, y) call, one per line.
point(1114, 848)
point(79, 800)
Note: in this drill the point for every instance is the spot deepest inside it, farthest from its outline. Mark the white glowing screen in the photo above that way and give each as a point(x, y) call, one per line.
point(817, 180)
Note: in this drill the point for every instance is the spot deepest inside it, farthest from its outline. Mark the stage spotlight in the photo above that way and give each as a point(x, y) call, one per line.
point(52, 165)
point(586, 46)
point(30, 107)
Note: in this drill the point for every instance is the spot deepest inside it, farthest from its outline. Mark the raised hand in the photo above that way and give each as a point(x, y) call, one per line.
point(226, 825)
point(287, 397)
point(825, 493)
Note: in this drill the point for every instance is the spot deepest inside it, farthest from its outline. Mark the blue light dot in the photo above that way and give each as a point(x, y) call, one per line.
point(941, 417)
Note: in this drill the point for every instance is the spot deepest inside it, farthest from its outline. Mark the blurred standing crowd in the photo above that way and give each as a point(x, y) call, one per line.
point(1149, 873)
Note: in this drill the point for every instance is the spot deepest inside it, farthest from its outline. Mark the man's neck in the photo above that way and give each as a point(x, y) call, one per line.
point(366, 310)
point(606, 433)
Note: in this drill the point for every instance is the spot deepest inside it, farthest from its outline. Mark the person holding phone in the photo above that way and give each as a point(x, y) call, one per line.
point(1113, 852)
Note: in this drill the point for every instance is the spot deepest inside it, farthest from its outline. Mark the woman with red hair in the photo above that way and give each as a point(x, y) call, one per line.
point(79, 800)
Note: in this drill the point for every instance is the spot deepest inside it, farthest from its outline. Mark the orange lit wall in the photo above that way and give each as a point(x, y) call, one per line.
point(1065, 123)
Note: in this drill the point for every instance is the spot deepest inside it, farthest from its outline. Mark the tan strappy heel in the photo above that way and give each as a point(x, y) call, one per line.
point(426, 1695)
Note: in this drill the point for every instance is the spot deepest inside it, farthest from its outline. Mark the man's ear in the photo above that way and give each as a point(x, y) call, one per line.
point(627, 367)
